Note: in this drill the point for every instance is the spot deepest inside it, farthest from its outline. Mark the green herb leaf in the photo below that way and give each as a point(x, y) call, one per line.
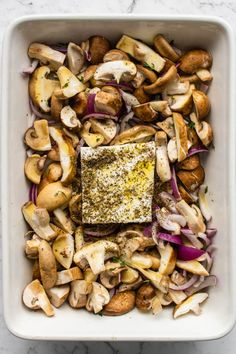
point(118, 260)
point(206, 189)
point(100, 313)
point(146, 281)
point(66, 85)
point(191, 124)
point(81, 79)
point(148, 66)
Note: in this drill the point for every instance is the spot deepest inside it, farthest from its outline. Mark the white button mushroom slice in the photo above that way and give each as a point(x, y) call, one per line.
point(124, 70)
point(79, 293)
point(69, 118)
point(193, 267)
point(162, 161)
point(53, 196)
point(46, 55)
point(164, 48)
point(70, 85)
point(68, 275)
point(172, 150)
point(204, 75)
point(162, 107)
point(143, 261)
point(37, 138)
point(41, 88)
point(177, 296)
point(63, 220)
point(110, 278)
point(164, 219)
point(129, 275)
point(63, 249)
point(181, 136)
point(141, 52)
point(165, 299)
point(203, 130)
point(177, 87)
point(39, 220)
point(79, 238)
point(145, 112)
point(182, 103)
point(156, 306)
point(192, 215)
point(159, 280)
point(168, 259)
point(91, 139)
point(108, 100)
point(138, 79)
point(190, 304)
point(58, 295)
point(167, 126)
point(107, 128)
point(132, 286)
point(32, 247)
point(34, 297)
point(95, 254)
point(137, 134)
point(89, 276)
point(34, 165)
point(75, 57)
point(67, 154)
point(98, 298)
point(203, 202)
point(47, 265)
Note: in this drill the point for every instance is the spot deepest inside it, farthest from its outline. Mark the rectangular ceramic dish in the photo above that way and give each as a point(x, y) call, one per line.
point(218, 315)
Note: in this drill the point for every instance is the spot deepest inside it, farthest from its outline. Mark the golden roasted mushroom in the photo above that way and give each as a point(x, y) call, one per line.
point(115, 54)
point(63, 249)
point(92, 139)
point(137, 134)
point(145, 112)
point(34, 165)
point(47, 265)
point(181, 136)
point(34, 297)
point(201, 103)
point(108, 100)
point(120, 304)
point(192, 179)
point(144, 296)
point(194, 60)
point(58, 295)
point(79, 104)
point(37, 138)
point(98, 47)
point(52, 174)
point(162, 161)
point(53, 58)
point(164, 48)
point(53, 196)
point(69, 83)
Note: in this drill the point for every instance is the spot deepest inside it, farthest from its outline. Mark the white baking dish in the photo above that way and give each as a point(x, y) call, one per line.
point(218, 315)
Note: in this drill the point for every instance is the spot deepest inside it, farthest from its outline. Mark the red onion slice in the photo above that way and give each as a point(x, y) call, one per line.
point(100, 233)
point(90, 104)
point(60, 47)
point(99, 116)
point(211, 280)
point(30, 69)
point(196, 150)
point(211, 232)
point(174, 185)
point(186, 285)
point(170, 238)
point(121, 85)
point(38, 113)
point(33, 193)
point(186, 253)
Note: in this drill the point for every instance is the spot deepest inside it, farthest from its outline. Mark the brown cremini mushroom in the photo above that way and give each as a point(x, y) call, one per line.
point(79, 104)
point(139, 133)
point(63, 249)
point(47, 265)
point(35, 297)
point(192, 179)
point(53, 195)
point(115, 54)
point(75, 57)
point(164, 48)
point(108, 100)
point(53, 58)
point(201, 104)
point(120, 70)
point(98, 47)
point(34, 165)
point(80, 289)
point(144, 296)
point(120, 304)
point(162, 81)
point(194, 60)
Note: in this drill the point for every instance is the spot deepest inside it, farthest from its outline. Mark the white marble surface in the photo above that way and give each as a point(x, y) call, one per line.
point(10, 9)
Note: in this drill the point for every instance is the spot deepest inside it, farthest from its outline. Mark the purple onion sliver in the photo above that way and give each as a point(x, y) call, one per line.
point(170, 238)
point(197, 150)
point(186, 253)
point(174, 184)
point(186, 285)
point(211, 232)
point(112, 293)
point(211, 280)
point(37, 112)
point(147, 231)
point(60, 48)
point(90, 104)
point(122, 85)
point(30, 69)
point(99, 116)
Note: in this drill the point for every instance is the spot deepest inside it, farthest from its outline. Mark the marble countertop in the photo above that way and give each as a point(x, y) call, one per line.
point(9, 10)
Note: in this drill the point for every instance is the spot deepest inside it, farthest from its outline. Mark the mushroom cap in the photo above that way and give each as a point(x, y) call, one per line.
point(53, 58)
point(192, 179)
point(190, 163)
point(58, 295)
point(139, 133)
point(69, 83)
point(190, 304)
point(182, 103)
point(168, 126)
point(164, 48)
point(79, 104)
point(201, 103)
point(115, 54)
point(34, 297)
point(79, 293)
point(194, 60)
point(97, 298)
point(41, 88)
point(75, 58)
point(37, 138)
point(53, 196)
point(145, 112)
point(124, 70)
point(141, 95)
point(168, 260)
point(34, 165)
point(144, 296)
point(108, 100)
point(107, 128)
point(56, 107)
point(98, 47)
point(120, 304)
point(162, 81)
point(63, 249)
point(129, 275)
point(47, 265)
point(52, 174)
point(69, 118)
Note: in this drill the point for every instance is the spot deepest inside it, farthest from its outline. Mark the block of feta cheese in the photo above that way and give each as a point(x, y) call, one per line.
point(117, 183)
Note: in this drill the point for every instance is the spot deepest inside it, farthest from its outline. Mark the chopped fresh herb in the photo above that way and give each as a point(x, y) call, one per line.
point(206, 189)
point(118, 260)
point(81, 79)
point(60, 192)
point(66, 85)
point(149, 66)
point(213, 146)
point(146, 281)
point(100, 313)
point(191, 124)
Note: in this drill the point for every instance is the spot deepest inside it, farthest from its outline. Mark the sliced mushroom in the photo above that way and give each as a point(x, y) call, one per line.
point(34, 165)
point(156, 306)
point(177, 296)
point(201, 104)
point(87, 74)
point(115, 54)
point(190, 304)
point(162, 107)
point(168, 260)
point(190, 163)
point(98, 298)
point(193, 216)
point(98, 47)
point(181, 136)
point(120, 304)
point(194, 60)
point(58, 295)
point(189, 78)
point(63, 249)
point(177, 87)
point(162, 161)
point(67, 154)
point(107, 128)
point(141, 95)
point(52, 174)
point(95, 254)
point(182, 103)
point(140, 260)
point(47, 265)
point(37, 138)
point(69, 118)
point(192, 179)
point(141, 52)
point(34, 297)
point(46, 55)
point(41, 88)
point(169, 221)
point(63, 220)
point(164, 48)
point(56, 107)
point(132, 286)
point(73, 136)
point(79, 293)
point(92, 139)
point(129, 275)
point(32, 247)
point(204, 75)
point(89, 276)
point(162, 81)
point(145, 112)
point(144, 297)
point(110, 278)
point(119, 70)
point(108, 100)
point(79, 238)
point(168, 126)
point(75, 208)
point(69, 83)
point(185, 194)
point(172, 150)
point(203, 130)
point(68, 275)
point(54, 153)
point(53, 196)
point(137, 134)
point(159, 280)
point(79, 104)
point(75, 58)
point(203, 203)
point(39, 220)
